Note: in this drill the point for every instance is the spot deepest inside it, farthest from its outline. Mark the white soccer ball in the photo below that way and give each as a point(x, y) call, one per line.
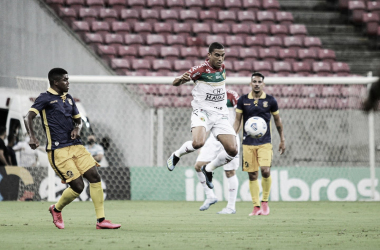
point(255, 127)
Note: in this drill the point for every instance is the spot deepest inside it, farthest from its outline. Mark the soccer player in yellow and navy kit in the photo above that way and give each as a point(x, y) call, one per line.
point(258, 152)
point(67, 156)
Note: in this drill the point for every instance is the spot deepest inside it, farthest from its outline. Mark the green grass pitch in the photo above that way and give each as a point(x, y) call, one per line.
point(180, 225)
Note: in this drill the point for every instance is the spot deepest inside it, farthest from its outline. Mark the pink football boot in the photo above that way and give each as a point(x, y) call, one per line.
point(256, 211)
point(106, 224)
point(264, 208)
point(57, 218)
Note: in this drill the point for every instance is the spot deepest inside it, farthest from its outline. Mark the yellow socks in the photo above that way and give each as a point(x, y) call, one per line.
point(255, 192)
point(96, 193)
point(67, 197)
point(266, 183)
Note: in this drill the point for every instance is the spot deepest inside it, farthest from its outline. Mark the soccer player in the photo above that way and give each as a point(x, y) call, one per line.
point(258, 152)
point(210, 112)
point(208, 152)
point(373, 97)
point(67, 156)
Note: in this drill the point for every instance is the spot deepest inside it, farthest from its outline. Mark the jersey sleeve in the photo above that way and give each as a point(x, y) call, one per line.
point(75, 114)
point(39, 104)
point(274, 107)
point(195, 72)
point(233, 96)
point(240, 105)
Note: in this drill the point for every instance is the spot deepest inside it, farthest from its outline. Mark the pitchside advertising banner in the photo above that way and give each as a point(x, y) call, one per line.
point(157, 183)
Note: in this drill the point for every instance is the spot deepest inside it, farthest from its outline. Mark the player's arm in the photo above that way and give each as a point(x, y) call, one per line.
point(2, 158)
point(77, 127)
point(237, 123)
point(182, 79)
point(28, 121)
point(278, 123)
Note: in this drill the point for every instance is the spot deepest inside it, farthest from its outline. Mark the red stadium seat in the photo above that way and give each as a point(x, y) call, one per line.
point(182, 29)
point(169, 53)
point(117, 5)
point(174, 74)
point(108, 15)
point(321, 68)
point(127, 52)
point(269, 55)
point(68, 15)
point(373, 7)
point(274, 90)
point(246, 89)
point(286, 103)
point(165, 89)
point(121, 66)
point(357, 9)
point(169, 16)
point(95, 4)
point(182, 102)
point(227, 17)
point(229, 66)
point(241, 30)
point(311, 90)
point(164, 29)
point(264, 67)
point(371, 20)
point(247, 17)
point(75, 4)
point(87, 14)
point(328, 91)
point(137, 4)
point(273, 42)
point(152, 73)
point(306, 103)
point(284, 18)
point(155, 40)
point(259, 30)
point(298, 30)
point(188, 16)
point(313, 43)
point(114, 40)
point(271, 5)
point(175, 41)
point(201, 30)
point(107, 52)
point(102, 28)
point(175, 4)
point(307, 55)
point(326, 103)
point(156, 4)
point(340, 68)
point(149, 16)
point(196, 5)
point(255, 42)
point(133, 40)
point(185, 89)
point(265, 17)
point(161, 101)
point(233, 5)
point(141, 65)
point(148, 52)
point(291, 90)
point(234, 41)
point(222, 29)
point(130, 16)
point(203, 53)
point(209, 17)
point(198, 62)
point(182, 65)
point(80, 28)
point(243, 67)
point(121, 28)
point(302, 68)
point(353, 90)
point(147, 89)
point(189, 53)
point(231, 53)
point(327, 55)
point(214, 38)
point(143, 29)
point(282, 67)
point(162, 66)
point(252, 5)
point(195, 41)
point(213, 5)
point(93, 40)
point(288, 55)
point(248, 54)
point(279, 30)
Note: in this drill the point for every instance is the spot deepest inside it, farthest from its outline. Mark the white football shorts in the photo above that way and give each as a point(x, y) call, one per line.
point(218, 123)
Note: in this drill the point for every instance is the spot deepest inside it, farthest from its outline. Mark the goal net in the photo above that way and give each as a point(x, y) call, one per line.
point(140, 121)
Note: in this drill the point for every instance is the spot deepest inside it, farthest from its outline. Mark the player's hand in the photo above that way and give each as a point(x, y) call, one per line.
point(34, 143)
point(75, 133)
point(281, 147)
point(185, 77)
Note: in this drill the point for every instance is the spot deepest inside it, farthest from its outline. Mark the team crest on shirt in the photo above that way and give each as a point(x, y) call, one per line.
point(70, 101)
point(202, 119)
point(69, 174)
point(56, 144)
point(265, 104)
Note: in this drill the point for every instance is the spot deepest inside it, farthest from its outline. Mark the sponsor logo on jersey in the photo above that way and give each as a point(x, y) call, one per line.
point(202, 119)
point(215, 98)
point(54, 101)
point(70, 101)
point(247, 104)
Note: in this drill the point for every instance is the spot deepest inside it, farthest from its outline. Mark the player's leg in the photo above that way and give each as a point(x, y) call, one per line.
point(254, 188)
point(265, 154)
point(210, 195)
point(233, 184)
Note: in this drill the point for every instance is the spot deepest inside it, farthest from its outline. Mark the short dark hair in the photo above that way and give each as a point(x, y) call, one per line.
point(2, 130)
point(55, 74)
point(258, 74)
point(215, 46)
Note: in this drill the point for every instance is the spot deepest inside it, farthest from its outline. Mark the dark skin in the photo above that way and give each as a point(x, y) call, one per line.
point(372, 100)
point(61, 85)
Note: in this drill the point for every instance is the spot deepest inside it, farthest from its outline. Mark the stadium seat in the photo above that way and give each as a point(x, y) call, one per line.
point(196, 5)
point(81, 28)
point(268, 55)
point(102, 28)
point(373, 7)
point(259, 30)
point(188, 16)
point(214, 38)
point(75, 4)
point(175, 4)
point(243, 67)
point(68, 15)
point(311, 90)
point(234, 41)
point(201, 30)
point(222, 29)
point(298, 30)
point(56, 4)
point(306, 103)
point(321, 68)
point(149, 16)
point(266, 17)
point(182, 65)
point(169, 53)
point(255, 42)
point(161, 101)
point(246, 17)
point(189, 53)
point(114, 40)
point(246, 89)
point(371, 21)
point(164, 29)
point(291, 90)
point(127, 52)
point(121, 66)
point(214, 5)
point(147, 89)
point(232, 5)
point(209, 17)
point(313, 43)
point(293, 42)
point(130, 16)
point(271, 5)
point(185, 89)
point(284, 18)
point(176, 41)
point(302, 68)
point(357, 9)
point(133, 40)
point(93, 40)
point(198, 62)
point(307, 55)
point(264, 67)
point(152, 73)
point(288, 55)
point(88, 15)
point(353, 90)
point(148, 52)
point(248, 54)
point(195, 41)
point(141, 65)
point(203, 51)
point(169, 16)
point(326, 103)
point(227, 17)
point(136, 4)
point(182, 29)
point(241, 30)
point(117, 5)
point(181, 102)
point(273, 42)
point(174, 74)
point(279, 30)
point(327, 55)
point(284, 68)
point(229, 66)
point(107, 52)
point(95, 4)
point(143, 29)
point(108, 15)
point(155, 4)
point(340, 68)
point(329, 91)
point(274, 90)
point(252, 5)
point(166, 90)
point(121, 28)
point(162, 66)
point(286, 102)
point(231, 54)
point(155, 40)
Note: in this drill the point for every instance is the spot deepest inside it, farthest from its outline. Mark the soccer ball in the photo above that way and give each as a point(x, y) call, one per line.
point(255, 127)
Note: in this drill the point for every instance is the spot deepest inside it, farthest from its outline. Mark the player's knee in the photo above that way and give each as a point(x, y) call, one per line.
point(232, 151)
point(253, 176)
point(197, 167)
point(77, 187)
point(198, 144)
point(265, 172)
